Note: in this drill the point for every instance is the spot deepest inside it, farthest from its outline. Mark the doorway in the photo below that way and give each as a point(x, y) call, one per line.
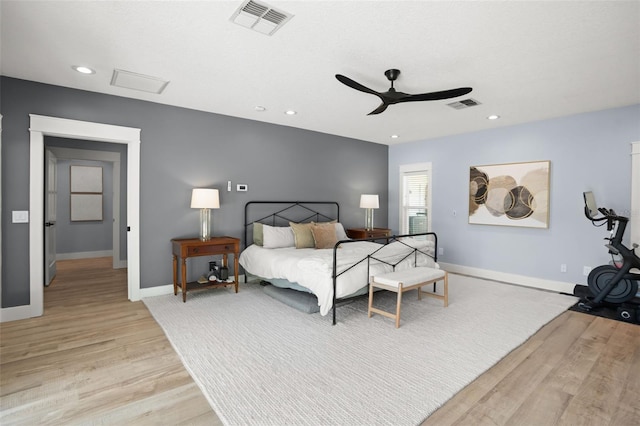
point(41, 126)
point(115, 160)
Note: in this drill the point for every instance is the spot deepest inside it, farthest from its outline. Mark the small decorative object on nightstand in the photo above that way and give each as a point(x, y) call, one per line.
point(357, 233)
point(192, 247)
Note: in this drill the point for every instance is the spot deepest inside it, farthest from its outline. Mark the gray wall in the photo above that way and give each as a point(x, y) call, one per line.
point(181, 149)
point(79, 237)
point(588, 152)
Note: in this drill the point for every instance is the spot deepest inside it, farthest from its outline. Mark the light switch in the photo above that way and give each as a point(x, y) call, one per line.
point(20, 216)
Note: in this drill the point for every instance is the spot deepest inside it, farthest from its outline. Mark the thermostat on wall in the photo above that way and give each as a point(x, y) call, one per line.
point(242, 187)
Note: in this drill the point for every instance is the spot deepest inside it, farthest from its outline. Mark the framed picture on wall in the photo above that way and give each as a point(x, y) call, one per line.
point(513, 194)
point(86, 207)
point(86, 179)
point(86, 193)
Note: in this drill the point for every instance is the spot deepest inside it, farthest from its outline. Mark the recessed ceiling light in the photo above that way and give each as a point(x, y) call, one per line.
point(83, 70)
point(394, 136)
point(493, 117)
point(260, 108)
point(290, 112)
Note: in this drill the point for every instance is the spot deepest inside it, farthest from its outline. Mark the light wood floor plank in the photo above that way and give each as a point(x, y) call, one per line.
point(557, 377)
point(95, 357)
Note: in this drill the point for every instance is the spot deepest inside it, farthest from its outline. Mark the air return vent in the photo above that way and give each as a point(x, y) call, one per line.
point(132, 80)
point(465, 103)
point(260, 17)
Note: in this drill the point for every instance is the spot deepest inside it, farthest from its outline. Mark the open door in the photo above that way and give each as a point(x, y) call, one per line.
point(51, 197)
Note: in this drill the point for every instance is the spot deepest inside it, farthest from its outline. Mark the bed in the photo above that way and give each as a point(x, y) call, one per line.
point(303, 246)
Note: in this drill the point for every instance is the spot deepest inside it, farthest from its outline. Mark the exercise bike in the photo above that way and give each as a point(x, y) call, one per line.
point(614, 284)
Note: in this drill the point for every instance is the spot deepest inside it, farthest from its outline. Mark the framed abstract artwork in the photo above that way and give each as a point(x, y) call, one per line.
point(513, 194)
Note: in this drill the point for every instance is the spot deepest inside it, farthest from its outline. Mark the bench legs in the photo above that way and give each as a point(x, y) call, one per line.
point(401, 289)
point(445, 294)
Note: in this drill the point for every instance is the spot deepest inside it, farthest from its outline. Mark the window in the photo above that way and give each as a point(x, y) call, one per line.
point(415, 198)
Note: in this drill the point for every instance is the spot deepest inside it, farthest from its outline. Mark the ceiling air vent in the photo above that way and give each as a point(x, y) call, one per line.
point(465, 103)
point(132, 80)
point(260, 17)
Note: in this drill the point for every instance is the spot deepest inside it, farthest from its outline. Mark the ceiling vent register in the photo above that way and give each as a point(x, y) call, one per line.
point(465, 103)
point(260, 17)
point(135, 81)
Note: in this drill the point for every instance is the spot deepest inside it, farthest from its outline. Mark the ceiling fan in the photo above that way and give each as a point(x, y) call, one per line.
point(391, 96)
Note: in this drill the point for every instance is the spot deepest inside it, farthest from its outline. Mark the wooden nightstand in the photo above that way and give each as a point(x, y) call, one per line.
point(357, 233)
point(192, 247)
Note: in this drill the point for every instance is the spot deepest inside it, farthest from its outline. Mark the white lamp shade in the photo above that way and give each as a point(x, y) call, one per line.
point(205, 198)
point(369, 201)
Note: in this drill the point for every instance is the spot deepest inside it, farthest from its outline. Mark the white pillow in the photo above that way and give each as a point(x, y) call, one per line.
point(340, 233)
point(277, 236)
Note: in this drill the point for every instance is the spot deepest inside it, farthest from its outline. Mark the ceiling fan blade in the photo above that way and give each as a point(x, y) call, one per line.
point(435, 96)
point(378, 110)
point(355, 85)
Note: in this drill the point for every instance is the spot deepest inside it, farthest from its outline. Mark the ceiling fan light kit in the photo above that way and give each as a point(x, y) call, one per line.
point(391, 96)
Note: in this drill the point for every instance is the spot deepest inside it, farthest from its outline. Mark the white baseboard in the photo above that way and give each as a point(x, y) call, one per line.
point(161, 290)
point(15, 313)
point(23, 312)
point(540, 283)
point(84, 255)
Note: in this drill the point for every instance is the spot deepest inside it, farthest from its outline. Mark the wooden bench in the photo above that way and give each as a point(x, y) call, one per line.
point(405, 280)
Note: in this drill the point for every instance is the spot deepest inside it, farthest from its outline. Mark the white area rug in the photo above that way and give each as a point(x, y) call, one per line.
point(260, 362)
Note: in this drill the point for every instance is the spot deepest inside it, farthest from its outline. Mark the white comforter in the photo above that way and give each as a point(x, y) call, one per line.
point(312, 268)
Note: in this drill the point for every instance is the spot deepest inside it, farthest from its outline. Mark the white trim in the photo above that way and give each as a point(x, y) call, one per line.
point(0, 212)
point(15, 313)
point(73, 129)
point(84, 255)
point(161, 290)
point(539, 283)
point(635, 193)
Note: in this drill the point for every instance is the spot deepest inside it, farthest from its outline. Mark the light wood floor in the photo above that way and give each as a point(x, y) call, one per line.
point(95, 357)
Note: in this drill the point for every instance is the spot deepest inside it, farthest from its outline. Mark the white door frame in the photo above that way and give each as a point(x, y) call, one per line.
point(635, 193)
point(41, 126)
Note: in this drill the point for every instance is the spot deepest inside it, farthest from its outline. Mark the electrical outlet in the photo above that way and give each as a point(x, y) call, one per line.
point(563, 267)
point(440, 251)
point(586, 270)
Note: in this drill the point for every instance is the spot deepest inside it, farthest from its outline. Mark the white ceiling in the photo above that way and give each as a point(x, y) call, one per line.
point(526, 60)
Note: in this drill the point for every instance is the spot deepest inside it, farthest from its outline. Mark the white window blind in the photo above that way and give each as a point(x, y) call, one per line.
point(415, 195)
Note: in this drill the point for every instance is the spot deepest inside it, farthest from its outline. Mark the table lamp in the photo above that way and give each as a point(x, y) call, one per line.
point(205, 199)
point(369, 202)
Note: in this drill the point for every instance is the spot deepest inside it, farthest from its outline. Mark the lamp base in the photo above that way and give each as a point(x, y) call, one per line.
point(205, 224)
point(368, 220)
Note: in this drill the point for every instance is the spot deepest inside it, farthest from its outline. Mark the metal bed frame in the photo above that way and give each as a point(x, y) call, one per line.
point(304, 212)
point(291, 211)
